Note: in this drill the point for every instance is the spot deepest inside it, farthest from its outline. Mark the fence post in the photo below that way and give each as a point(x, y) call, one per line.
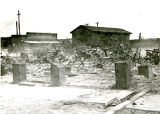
point(67, 70)
point(24, 56)
point(3, 70)
point(122, 75)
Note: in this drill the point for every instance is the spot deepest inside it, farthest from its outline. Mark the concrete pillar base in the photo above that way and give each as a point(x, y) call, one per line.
point(19, 72)
point(143, 70)
point(122, 75)
point(57, 75)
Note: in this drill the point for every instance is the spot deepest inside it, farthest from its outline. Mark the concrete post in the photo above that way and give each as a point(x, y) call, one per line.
point(3, 71)
point(143, 70)
point(24, 56)
point(19, 72)
point(67, 70)
point(47, 75)
point(57, 75)
point(122, 75)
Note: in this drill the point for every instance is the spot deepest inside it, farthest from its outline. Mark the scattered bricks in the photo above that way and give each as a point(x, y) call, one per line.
point(67, 70)
point(122, 75)
point(57, 75)
point(19, 72)
point(143, 70)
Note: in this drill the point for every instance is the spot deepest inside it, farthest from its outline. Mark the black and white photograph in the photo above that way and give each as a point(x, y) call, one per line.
point(80, 57)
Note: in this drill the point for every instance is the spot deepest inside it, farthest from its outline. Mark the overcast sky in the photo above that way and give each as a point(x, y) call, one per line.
point(62, 16)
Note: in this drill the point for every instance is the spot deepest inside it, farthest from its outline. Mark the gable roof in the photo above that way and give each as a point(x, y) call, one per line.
point(103, 29)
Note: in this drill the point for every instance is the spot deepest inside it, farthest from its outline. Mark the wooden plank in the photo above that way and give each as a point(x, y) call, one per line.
point(95, 103)
point(127, 102)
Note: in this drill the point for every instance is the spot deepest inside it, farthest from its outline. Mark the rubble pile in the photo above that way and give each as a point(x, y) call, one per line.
point(153, 56)
point(140, 82)
point(35, 72)
point(92, 66)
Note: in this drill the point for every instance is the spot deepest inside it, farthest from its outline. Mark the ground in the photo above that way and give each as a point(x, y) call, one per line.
point(150, 101)
point(84, 92)
point(59, 100)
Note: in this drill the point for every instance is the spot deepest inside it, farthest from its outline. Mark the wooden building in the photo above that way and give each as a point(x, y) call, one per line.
point(12, 42)
point(5, 42)
point(99, 36)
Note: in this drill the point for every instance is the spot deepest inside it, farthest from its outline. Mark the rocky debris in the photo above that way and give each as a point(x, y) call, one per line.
point(36, 72)
point(90, 77)
point(140, 82)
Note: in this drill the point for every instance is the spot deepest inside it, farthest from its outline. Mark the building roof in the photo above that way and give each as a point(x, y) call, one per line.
point(40, 33)
point(103, 29)
point(5, 37)
point(149, 39)
point(42, 42)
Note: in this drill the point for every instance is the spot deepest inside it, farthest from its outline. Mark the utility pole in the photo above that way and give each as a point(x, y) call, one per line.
point(16, 28)
point(139, 46)
point(97, 23)
point(19, 22)
point(86, 24)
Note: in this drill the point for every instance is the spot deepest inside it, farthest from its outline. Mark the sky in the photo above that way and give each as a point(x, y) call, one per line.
point(62, 16)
